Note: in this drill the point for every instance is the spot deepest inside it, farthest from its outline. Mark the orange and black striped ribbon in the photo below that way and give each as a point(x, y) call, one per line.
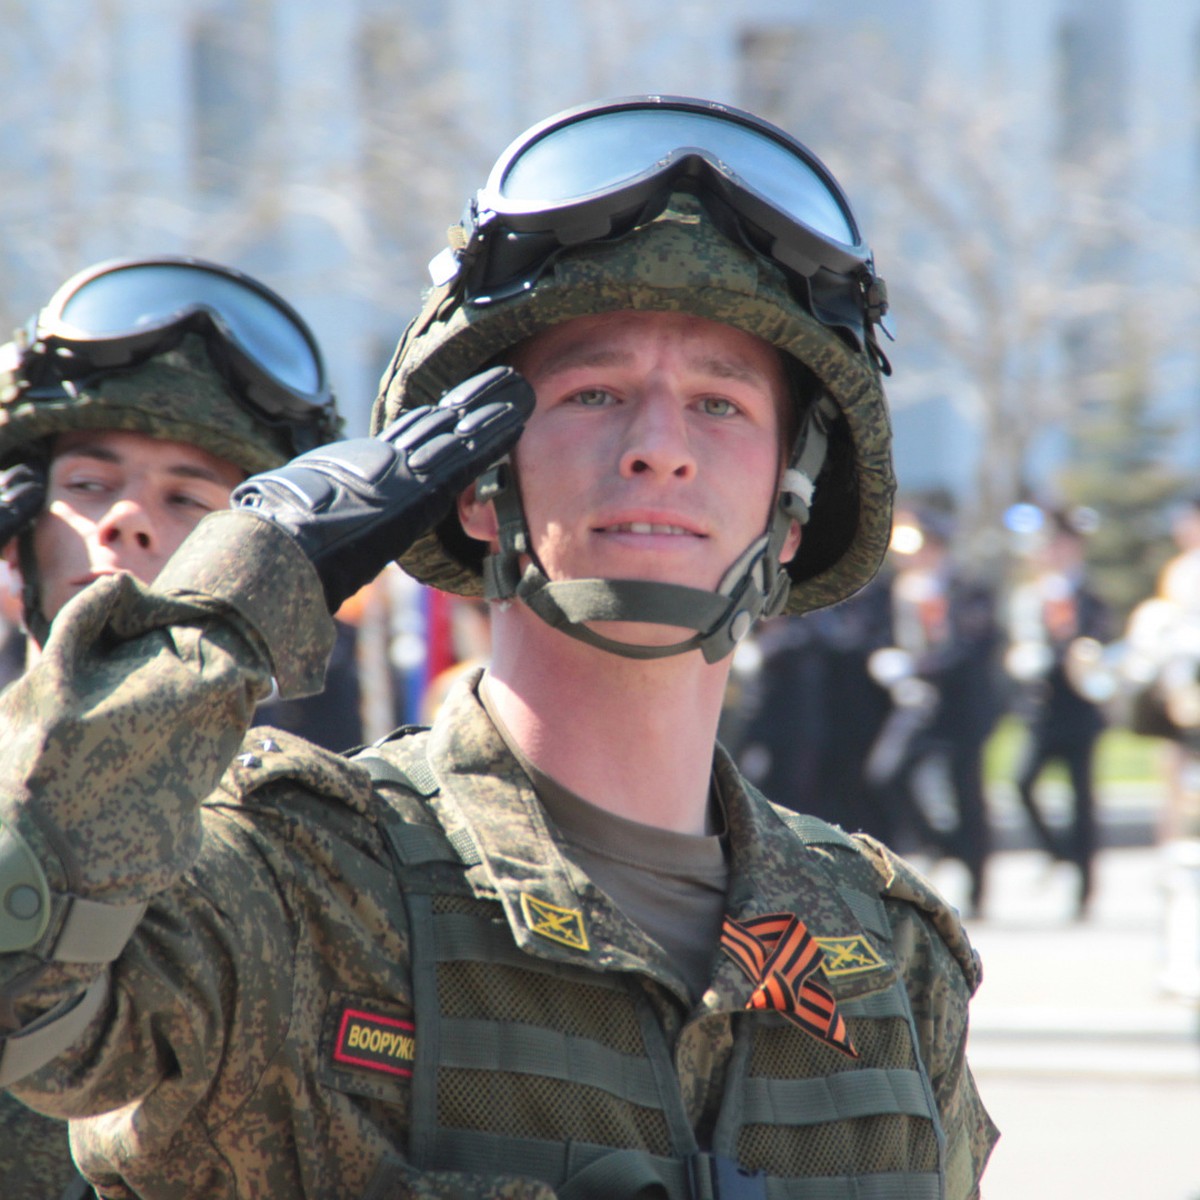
point(780, 956)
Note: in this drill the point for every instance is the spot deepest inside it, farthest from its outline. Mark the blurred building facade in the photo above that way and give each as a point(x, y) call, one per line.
point(325, 147)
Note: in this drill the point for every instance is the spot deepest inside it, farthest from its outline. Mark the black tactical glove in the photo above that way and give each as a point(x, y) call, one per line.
point(22, 494)
point(353, 506)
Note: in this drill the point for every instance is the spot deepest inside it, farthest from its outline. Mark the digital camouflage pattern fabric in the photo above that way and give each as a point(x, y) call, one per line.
point(337, 954)
point(35, 1158)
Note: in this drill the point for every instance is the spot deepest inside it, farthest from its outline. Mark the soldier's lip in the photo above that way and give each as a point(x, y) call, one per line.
point(663, 524)
point(649, 527)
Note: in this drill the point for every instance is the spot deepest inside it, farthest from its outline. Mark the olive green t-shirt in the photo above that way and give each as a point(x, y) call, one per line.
point(671, 885)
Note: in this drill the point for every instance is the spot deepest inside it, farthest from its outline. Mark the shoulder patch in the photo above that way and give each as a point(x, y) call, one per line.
point(900, 880)
point(375, 1041)
point(270, 755)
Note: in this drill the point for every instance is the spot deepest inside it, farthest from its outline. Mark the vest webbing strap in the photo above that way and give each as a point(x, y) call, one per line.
point(887, 1185)
point(527, 1050)
point(868, 910)
point(419, 776)
point(841, 1097)
point(593, 1171)
point(416, 845)
point(619, 1173)
point(888, 1003)
point(812, 831)
point(590, 1171)
point(461, 937)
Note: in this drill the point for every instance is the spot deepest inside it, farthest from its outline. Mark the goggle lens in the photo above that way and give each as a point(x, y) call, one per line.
point(607, 150)
point(145, 296)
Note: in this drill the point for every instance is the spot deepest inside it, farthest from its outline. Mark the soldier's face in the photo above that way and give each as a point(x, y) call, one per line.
point(655, 448)
point(119, 501)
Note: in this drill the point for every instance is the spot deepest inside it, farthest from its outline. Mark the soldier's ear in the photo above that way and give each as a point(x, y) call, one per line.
point(477, 518)
point(791, 543)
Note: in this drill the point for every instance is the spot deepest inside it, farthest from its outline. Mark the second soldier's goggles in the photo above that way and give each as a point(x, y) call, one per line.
point(123, 312)
point(599, 171)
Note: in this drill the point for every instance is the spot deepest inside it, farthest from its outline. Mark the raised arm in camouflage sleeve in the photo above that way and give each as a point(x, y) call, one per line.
point(131, 717)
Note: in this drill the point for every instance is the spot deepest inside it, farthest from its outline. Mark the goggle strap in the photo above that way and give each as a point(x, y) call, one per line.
point(40, 374)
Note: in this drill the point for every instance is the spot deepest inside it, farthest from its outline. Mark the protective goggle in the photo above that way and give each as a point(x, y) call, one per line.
point(599, 171)
point(123, 312)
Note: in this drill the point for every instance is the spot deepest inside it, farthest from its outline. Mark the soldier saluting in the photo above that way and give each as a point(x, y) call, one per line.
point(555, 945)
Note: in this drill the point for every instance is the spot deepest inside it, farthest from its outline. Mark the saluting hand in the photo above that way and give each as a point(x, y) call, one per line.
point(355, 505)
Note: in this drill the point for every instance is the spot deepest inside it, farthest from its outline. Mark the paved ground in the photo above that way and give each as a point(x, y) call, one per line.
point(1089, 1064)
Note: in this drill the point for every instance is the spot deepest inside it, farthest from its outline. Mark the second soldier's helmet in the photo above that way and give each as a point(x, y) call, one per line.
point(674, 205)
point(173, 347)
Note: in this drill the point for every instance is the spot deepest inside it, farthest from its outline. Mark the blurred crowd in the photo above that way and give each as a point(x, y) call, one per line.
point(878, 714)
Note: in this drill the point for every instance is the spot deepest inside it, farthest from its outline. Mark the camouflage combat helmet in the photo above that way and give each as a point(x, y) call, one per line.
point(680, 261)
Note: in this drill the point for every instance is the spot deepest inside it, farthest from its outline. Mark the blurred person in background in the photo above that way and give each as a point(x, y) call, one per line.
point(471, 643)
point(130, 407)
point(1161, 671)
point(810, 711)
point(1057, 625)
point(941, 670)
point(1179, 587)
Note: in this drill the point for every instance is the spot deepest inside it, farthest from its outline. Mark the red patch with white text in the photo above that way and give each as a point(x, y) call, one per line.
point(376, 1042)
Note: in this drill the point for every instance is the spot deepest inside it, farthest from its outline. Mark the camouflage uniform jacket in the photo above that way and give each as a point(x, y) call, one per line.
point(256, 1036)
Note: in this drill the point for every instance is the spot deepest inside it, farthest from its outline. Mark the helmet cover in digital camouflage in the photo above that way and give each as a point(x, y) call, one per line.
point(677, 263)
point(178, 395)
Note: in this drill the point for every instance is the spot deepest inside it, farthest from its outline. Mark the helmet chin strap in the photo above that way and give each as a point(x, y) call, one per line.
point(756, 585)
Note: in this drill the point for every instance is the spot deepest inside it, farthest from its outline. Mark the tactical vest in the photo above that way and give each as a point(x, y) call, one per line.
point(536, 1068)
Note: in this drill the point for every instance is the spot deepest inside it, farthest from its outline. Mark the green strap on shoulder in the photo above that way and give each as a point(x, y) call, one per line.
point(417, 843)
point(418, 777)
point(812, 831)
